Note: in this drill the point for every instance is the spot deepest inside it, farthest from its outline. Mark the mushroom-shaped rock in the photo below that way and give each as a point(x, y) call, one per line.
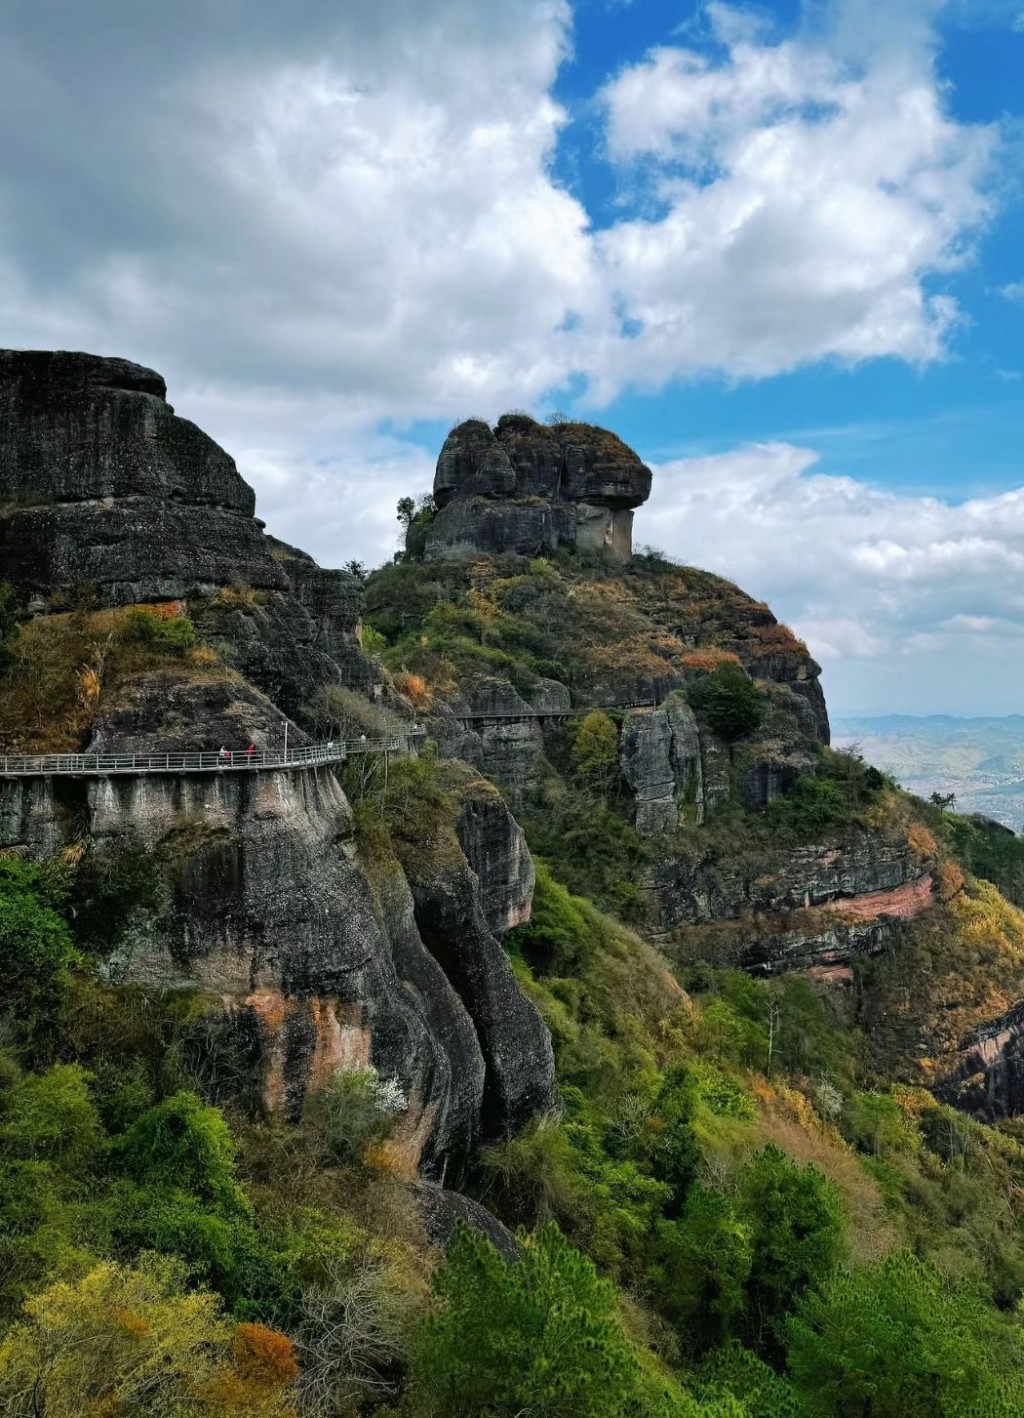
point(527, 488)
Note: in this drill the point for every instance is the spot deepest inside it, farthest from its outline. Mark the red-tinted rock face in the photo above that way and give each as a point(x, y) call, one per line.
point(526, 488)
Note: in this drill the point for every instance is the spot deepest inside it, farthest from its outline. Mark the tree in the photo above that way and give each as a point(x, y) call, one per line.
point(354, 1338)
point(51, 1117)
point(36, 950)
point(182, 1144)
point(134, 1341)
point(675, 1155)
point(595, 752)
point(897, 1339)
point(795, 1222)
point(539, 1336)
point(406, 511)
point(704, 1261)
point(729, 701)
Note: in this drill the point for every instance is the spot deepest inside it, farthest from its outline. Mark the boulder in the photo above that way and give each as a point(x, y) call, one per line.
point(527, 488)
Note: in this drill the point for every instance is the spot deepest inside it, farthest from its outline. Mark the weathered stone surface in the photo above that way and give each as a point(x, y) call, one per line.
point(164, 711)
point(987, 1077)
point(660, 759)
point(268, 910)
point(334, 602)
point(444, 1212)
point(527, 488)
point(702, 887)
point(495, 848)
point(102, 484)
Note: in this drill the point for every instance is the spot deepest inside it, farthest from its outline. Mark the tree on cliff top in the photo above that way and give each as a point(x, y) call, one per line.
point(729, 701)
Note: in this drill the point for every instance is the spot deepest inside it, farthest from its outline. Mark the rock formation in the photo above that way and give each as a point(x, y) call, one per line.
point(527, 488)
point(317, 954)
point(105, 490)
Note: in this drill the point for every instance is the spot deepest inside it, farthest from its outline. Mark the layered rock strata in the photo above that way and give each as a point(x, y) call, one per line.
point(104, 488)
point(527, 488)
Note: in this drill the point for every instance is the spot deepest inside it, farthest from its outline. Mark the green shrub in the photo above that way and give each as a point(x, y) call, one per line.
point(555, 938)
point(729, 702)
point(51, 1117)
point(183, 1145)
point(897, 1339)
point(37, 954)
point(352, 1112)
point(537, 1336)
point(595, 752)
point(373, 643)
point(171, 634)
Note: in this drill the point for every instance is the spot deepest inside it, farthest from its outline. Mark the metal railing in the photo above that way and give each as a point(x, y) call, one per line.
point(208, 761)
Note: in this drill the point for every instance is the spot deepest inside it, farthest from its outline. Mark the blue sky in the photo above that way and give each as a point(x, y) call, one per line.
point(779, 248)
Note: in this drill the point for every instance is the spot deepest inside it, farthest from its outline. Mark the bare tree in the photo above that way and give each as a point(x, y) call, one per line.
point(354, 1337)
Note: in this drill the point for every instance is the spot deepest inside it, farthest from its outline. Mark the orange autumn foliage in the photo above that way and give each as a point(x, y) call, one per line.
point(951, 881)
point(921, 841)
point(263, 1355)
point(414, 687)
point(709, 659)
point(263, 1366)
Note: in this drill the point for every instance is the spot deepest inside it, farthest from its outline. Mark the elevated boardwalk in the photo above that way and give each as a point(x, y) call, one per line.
point(103, 765)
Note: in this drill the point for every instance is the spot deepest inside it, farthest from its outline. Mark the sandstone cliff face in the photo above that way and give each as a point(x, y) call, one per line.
point(526, 488)
point(334, 961)
point(321, 951)
point(102, 485)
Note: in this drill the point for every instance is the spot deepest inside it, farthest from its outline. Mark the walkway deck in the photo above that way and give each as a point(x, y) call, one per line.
point(102, 765)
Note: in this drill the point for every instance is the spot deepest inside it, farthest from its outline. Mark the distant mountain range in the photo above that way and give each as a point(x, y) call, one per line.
point(980, 760)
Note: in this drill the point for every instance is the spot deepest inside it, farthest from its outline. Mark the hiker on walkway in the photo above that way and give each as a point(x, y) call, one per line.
point(250, 750)
point(224, 755)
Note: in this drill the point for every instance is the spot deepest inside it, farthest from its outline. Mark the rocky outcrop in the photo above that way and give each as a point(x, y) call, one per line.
point(101, 484)
point(706, 886)
point(317, 952)
point(328, 961)
point(526, 488)
point(987, 1078)
point(660, 759)
point(103, 487)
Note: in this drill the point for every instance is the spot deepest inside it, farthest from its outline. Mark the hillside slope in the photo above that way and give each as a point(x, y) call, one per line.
point(625, 952)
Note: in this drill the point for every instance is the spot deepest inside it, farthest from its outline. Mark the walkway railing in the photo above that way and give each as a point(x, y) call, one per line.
point(93, 765)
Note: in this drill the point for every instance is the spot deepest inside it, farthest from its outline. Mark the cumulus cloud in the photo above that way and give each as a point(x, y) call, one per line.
point(930, 592)
point(361, 198)
point(808, 188)
point(326, 223)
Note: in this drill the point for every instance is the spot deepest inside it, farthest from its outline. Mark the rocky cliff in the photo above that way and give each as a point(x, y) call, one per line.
point(106, 494)
point(319, 947)
point(527, 488)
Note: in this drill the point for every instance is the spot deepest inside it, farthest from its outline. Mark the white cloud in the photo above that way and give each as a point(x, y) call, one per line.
point(361, 199)
point(316, 219)
point(924, 593)
point(809, 189)
point(1014, 291)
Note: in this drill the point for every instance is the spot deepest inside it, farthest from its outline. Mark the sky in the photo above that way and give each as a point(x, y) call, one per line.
point(778, 248)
